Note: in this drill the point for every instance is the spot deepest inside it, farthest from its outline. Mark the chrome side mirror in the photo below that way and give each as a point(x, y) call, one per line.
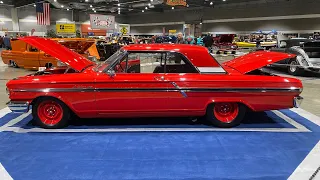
point(111, 73)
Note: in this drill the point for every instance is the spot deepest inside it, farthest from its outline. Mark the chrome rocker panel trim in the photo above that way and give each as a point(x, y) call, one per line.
point(18, 107)
point(175, 89)
point(297, 101)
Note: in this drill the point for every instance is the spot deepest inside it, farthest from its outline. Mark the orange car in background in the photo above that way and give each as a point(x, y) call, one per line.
point(26, 56)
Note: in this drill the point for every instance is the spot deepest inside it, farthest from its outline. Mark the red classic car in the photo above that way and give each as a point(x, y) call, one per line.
point(152, 80)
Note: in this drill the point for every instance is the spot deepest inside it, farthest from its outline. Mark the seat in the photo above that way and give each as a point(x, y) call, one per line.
point(159, 69)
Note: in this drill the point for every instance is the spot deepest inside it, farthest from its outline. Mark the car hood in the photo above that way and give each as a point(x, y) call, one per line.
point(78, 45)
point(65, 55)
point(256, 60)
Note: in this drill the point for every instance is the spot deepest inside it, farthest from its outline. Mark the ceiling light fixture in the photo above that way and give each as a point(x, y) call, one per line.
point(149, 4)
point(201, 23)
point(95, 11)
point(55, 0)
point(1, 2)
point(91, 6)
point(223, 0)
point(118, 4)
point(33, 5)
point(62, 6)
point(211, 3)
point(142, 10)
point(146, 7)
point(172, 7)
point(151, 0)
point(92, 9)
point(67, 9)
point(86, 0)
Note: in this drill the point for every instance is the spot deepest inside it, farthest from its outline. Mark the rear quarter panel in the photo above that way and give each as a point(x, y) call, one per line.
point(16, 56)
point(259, 96)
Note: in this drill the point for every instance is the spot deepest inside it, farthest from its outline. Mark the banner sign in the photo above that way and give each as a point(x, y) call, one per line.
point(98, 21)
point(86, 29)
point(177, 2)
point(65, 28)
point(124, 28)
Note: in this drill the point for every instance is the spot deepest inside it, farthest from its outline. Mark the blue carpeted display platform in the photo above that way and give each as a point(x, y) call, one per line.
point(153, 152)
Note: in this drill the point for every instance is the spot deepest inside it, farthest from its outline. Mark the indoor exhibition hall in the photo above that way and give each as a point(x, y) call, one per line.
point(159, 89)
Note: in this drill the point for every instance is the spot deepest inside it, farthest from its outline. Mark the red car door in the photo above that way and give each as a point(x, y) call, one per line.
point(139, 91)
point(188, 98)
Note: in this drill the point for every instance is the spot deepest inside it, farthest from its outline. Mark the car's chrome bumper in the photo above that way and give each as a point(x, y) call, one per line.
point(297, 101)
point(18, 106)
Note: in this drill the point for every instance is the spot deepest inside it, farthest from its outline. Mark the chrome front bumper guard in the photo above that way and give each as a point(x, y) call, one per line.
point(297, 101)
point(19, 107)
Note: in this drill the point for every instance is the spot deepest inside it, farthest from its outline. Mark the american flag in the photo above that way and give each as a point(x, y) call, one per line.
point(43, 13)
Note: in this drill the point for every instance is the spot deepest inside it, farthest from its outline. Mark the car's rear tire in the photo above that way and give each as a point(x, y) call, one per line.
point(225, 114)
point(293, 69)
point(50, 113)
point(13, 64)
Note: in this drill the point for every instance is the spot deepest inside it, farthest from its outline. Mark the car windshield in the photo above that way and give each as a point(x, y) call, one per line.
point(116, 57)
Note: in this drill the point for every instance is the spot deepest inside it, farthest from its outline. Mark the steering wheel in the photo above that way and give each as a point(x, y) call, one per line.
point(119, 68)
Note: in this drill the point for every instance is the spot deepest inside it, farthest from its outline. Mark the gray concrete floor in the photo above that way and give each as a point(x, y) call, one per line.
point(310, 92)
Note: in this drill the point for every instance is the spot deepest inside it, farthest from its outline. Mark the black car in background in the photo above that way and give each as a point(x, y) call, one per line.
point(308, 55)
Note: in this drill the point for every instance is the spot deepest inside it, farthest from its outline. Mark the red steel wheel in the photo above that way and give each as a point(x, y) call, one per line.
point(226, 112)
point(50, 113)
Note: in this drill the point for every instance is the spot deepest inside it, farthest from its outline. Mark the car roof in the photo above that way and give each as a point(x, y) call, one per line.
point(199, 56)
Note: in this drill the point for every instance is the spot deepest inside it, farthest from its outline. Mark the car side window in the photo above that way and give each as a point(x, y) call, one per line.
point(154, 62)
point(177, 63)
point(145, 62)
point(120, 67)
point(32, 49)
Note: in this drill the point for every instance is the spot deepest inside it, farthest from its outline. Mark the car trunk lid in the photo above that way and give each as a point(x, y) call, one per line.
point(256, 60)
point(62, 53)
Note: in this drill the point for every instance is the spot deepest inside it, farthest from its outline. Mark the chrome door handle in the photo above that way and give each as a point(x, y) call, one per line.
point(159, 78)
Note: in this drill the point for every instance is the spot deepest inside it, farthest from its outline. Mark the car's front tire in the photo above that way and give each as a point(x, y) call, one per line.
point(293, 68)
point(225, 114)
point(50, 113)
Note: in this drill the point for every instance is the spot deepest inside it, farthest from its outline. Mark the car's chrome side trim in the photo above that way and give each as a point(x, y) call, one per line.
point(179, 89)
point(19, 107)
